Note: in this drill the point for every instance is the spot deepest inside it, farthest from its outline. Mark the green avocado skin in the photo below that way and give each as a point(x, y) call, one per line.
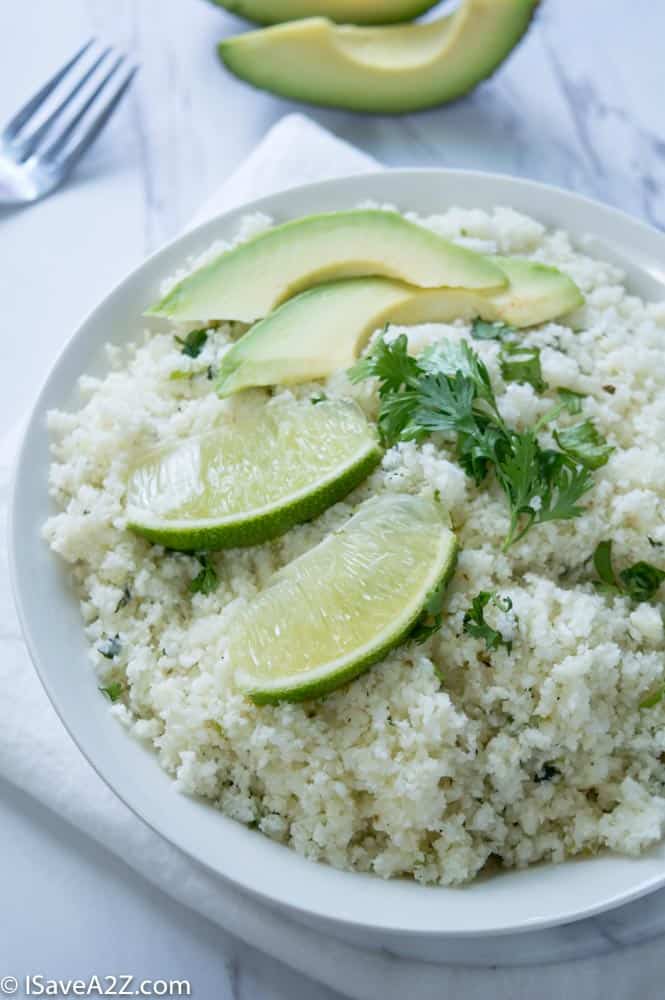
point(274, 59)
point(364, 11)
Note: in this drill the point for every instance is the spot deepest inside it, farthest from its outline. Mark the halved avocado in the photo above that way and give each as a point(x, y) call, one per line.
point(246, 283)
point(342, 11)
point(324, 329)
point(393, 69)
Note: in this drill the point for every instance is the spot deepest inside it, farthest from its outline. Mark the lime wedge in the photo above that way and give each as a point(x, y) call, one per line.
point(326, 617)
point(254, 478)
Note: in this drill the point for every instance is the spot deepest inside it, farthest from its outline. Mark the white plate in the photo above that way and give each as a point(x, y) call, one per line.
point(367, 909)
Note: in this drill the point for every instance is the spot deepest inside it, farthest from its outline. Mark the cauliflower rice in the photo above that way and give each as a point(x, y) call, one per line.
point(444, 756)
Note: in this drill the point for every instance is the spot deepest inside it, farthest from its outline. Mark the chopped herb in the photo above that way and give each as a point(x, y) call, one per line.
point(475, 624)
point(449, 357)
point(584, 443)
point(546, 773)
point(602, 561)
point(193, 343)
point(438, 672)
point(572, 401)
point(611, 389)
point(654, 699)
point(522, 364)
point(431, 617)
point(113, 691)
point(448, 390)
point(653, 543)
point(391, 363)
point(569, 402)
point(124, 600)
point(210, 373)
point(480, 330)
point(110, 648)
point(207, 580)
point(318, 397)
point(640, 581)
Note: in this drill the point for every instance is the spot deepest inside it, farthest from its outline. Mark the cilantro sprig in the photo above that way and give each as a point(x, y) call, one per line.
point(448, 390)
point(522, 364)
point(432, 615)
point(584, 443)
point(113, 691)
point(640, 582)
point(482, 330)
point(475, 625)
point(192, 345)
point(110, 647)
point(206, 581)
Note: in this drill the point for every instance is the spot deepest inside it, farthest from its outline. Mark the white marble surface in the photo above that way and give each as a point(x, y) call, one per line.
point(580, 104)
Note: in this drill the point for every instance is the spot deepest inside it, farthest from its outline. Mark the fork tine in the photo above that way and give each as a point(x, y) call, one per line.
point(97, 124)
point(61, 141)
point(26, 147)
point(23, 116)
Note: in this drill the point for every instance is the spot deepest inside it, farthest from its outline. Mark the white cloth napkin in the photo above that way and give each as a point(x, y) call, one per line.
point(37, 755)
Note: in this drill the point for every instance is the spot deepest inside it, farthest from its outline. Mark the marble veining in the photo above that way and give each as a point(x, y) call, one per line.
point(562, 110)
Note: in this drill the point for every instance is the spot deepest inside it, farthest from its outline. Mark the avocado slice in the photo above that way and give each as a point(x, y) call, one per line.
point(389, 69)
point(342, 11)
point(324, 329)
point(246, 283)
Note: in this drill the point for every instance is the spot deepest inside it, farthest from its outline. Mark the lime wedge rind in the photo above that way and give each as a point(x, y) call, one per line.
point(264, 523)
point(253, 477)
point(333, 673)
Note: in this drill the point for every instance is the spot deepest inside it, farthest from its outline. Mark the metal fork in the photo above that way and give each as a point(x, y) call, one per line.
point(40, 147)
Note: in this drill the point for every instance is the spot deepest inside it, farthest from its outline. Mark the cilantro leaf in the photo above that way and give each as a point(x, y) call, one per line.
point(572, 401)
point(481, 330)
point(546, 773)
point(640, 582)
point(207, 581)
point(396, 418)
point(602, 561)
point(451, 358)
point(446, 403)
point(541, 485)
point(564, 484)
point(391, 363)
point(654, 699)
point(113, 691)
point(569, 401)
point(474, 623)
point(124, 600)
point(522, 364)
point(110, 647)
point(193, 343)
point(448, 391)
point(431, 617)
point(584, 443)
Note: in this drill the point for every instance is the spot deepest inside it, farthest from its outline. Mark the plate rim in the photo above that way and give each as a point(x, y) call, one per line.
point(324, 914)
